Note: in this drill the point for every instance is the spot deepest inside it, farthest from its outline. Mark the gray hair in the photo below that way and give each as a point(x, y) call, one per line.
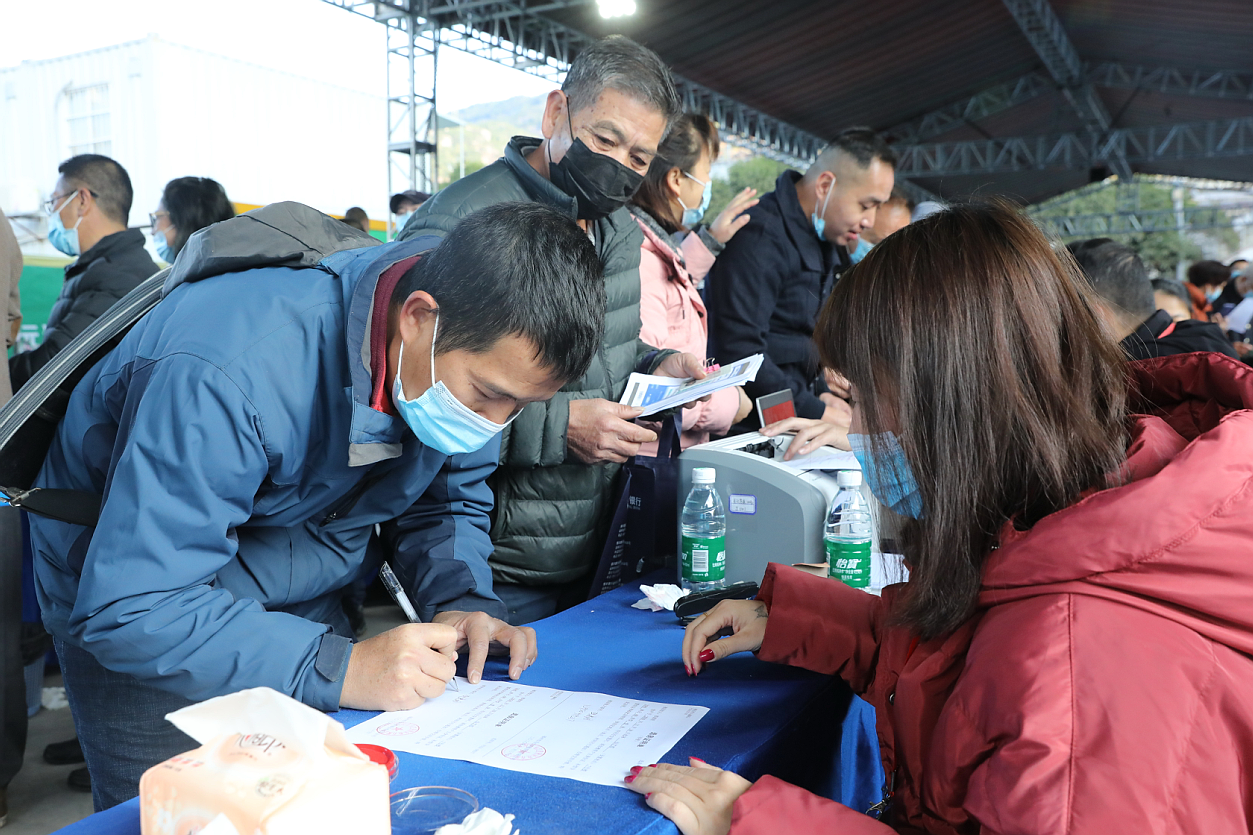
point(622, 64)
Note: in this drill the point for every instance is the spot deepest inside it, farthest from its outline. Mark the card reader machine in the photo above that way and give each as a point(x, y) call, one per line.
point(775, 512)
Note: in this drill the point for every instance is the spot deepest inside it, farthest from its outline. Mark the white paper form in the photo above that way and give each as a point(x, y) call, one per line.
point(591, 737)
point(656, 394)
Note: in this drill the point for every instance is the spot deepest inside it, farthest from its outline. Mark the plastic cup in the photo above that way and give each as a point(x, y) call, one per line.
point(422, 810)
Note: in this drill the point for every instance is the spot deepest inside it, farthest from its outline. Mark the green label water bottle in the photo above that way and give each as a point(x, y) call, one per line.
point(849, 533)
point(703, 525)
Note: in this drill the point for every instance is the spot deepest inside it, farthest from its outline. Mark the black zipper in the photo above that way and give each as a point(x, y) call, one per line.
point(350, 501)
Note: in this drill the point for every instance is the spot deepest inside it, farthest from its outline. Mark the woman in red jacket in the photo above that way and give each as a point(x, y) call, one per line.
point(1071, 654)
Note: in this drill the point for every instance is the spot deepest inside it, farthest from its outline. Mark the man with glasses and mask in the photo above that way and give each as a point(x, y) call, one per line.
point(87, 217)
point(559, 461)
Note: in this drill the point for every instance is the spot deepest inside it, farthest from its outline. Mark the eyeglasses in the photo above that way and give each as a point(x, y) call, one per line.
point(50, 205)
point(152, 218)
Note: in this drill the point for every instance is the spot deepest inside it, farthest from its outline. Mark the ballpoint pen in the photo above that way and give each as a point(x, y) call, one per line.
point(402, 600)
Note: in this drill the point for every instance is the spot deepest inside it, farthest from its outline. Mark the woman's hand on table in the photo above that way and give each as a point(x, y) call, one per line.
point(811, 434)
point(698, 798)
point(401, 668)
point(484, 633)
point(742, 621)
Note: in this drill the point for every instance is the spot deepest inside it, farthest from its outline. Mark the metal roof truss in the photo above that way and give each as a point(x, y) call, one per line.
point(1189, 140)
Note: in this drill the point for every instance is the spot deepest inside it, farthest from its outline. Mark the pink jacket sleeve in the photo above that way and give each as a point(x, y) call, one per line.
point(716, 415)
point(772, 806)
point(696, 257)
point(654, 327)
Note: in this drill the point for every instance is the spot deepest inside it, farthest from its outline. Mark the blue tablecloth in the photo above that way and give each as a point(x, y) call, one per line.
point(763, 719)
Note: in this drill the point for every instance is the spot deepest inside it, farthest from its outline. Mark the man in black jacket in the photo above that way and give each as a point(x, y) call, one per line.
point(1126, 304)
point(87, 218)
point(766, 288)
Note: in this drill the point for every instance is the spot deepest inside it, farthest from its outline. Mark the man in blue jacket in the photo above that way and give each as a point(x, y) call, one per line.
point(251, 431)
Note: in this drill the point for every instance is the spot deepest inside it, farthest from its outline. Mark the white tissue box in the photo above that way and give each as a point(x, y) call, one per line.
point(268, 765)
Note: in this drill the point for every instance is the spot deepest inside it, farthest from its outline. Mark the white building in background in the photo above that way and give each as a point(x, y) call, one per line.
point(165, 111)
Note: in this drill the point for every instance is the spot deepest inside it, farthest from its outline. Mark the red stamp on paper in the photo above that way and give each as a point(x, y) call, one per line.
point(398, 728)
point(523, 751)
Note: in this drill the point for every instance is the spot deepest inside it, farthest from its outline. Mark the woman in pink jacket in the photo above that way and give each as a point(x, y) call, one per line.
point(1072, 652)
point(676, 256)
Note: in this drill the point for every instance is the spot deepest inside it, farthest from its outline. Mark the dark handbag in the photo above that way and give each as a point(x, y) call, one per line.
point(643, 533)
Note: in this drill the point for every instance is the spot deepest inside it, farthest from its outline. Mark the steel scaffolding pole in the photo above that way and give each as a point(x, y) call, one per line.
point(412, 64)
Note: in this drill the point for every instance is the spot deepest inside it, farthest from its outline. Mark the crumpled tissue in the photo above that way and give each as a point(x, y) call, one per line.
point(483, 822)
point(660, 596)
point(267, 765)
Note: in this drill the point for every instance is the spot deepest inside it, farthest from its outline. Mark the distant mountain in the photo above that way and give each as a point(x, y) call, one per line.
point(523, 111)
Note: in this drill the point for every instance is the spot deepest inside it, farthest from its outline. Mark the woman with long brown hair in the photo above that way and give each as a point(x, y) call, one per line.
point(1071, 652)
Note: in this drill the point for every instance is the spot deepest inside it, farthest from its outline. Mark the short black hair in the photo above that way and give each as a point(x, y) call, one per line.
point(863, 145)
point(193, 204)
point(413, 196)
point(899, 195)
point(622, 64)
point(1117, 275)
point(1204, 273)
point(1173, 288)
point(519, 269)
point(105, 179)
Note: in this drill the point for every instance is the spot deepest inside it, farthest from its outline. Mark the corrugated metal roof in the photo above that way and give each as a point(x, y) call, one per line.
point(822, 66)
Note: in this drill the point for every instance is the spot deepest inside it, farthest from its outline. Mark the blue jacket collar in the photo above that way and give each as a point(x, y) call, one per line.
point(374, 435)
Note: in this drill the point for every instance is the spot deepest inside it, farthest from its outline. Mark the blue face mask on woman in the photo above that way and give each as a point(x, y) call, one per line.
point(438, 418)
point(888, 473)
point(693, 216)
point(164, 251)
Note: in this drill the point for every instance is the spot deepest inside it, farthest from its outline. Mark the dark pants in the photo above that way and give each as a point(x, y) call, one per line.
point(531, 603)
point(121, 725)
point(13, 686)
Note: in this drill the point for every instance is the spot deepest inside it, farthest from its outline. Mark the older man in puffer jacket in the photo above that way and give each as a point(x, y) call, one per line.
point(559, 459)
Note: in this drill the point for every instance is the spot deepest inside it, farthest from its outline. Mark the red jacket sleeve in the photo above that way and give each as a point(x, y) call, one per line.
point(822, 625)
point(772, 806)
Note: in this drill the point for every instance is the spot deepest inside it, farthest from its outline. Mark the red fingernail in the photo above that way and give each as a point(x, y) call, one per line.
point(706, 655)
point(650, 794)
point(628, 778)
point(688, 668)
point(698, 760)
point(637, 769)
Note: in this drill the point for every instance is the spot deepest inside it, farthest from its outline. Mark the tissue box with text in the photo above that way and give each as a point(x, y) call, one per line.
point(270, 766)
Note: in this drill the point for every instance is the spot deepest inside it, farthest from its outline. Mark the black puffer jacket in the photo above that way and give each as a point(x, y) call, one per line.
point(552, 512)
point(100, 276)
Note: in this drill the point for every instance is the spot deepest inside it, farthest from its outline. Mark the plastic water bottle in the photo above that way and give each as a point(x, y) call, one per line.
point(704, 528)
point(849, 532)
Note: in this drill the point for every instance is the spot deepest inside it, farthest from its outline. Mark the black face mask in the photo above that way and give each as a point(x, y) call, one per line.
point(599, 184)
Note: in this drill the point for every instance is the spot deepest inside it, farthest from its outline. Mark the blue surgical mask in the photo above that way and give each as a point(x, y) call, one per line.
point(438, 418)
point(691, 217)
point(1213, 294)
point(402, 220)
point(888, 473)
point(65, 240)
point(820, 222)
point(860, 252)
point(164, 251)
